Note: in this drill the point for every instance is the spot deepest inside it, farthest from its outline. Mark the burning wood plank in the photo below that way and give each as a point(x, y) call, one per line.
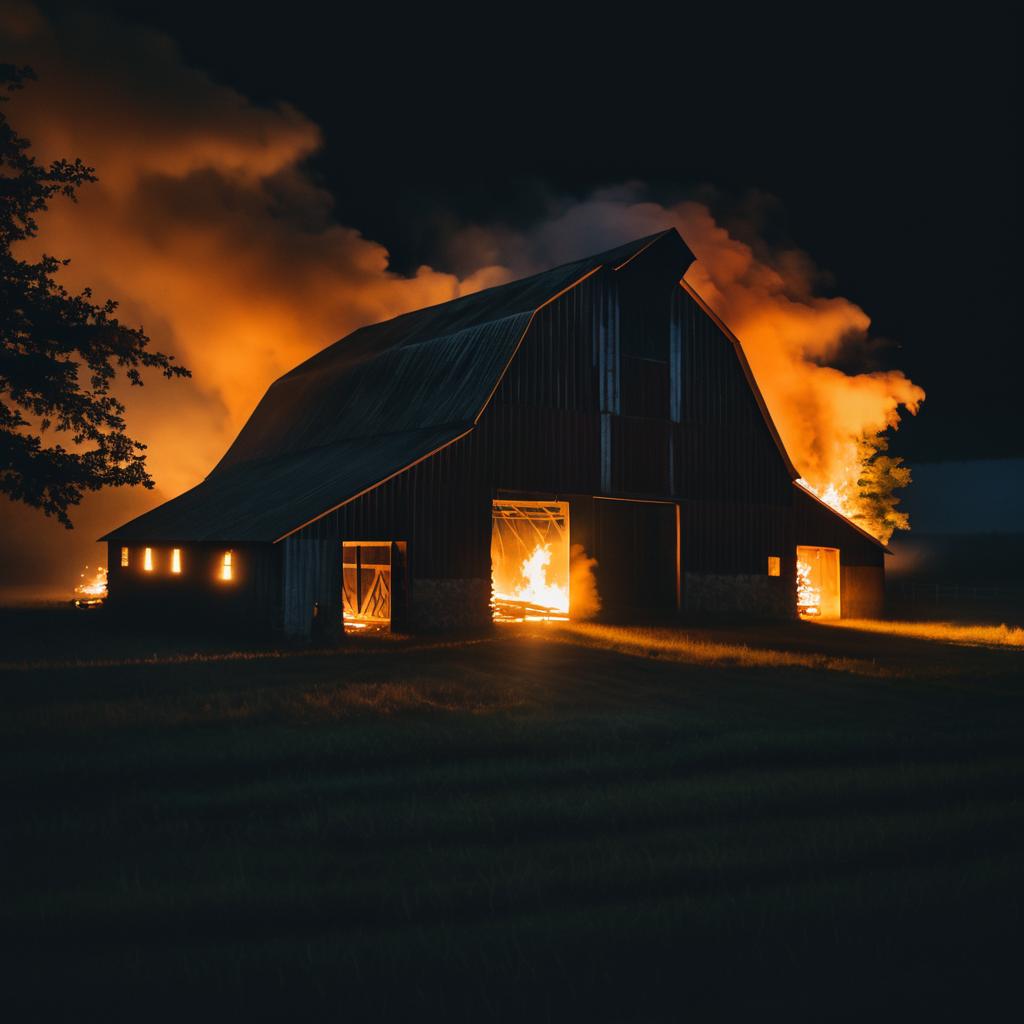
point(506, 609)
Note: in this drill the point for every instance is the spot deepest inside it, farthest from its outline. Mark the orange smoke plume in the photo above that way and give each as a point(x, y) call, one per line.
point(203, 225)
point(207, 228)
point(829, 420)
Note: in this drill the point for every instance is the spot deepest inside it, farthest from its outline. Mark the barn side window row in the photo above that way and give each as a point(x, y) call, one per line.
point(225, 564)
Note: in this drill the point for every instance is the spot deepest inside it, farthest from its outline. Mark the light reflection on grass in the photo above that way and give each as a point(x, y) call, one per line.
point(944, 632)
point(674, 644)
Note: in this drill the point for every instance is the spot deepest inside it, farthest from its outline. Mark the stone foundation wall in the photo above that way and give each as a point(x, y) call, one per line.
point(449, 604)
point(770, 596)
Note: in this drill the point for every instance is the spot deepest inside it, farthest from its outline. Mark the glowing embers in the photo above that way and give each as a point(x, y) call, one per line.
point(817, 582)
point(530, 561)
point(366, 585)
point(91, 590)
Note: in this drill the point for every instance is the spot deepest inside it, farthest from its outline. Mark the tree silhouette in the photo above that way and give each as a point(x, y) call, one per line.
point(59, 353)
point(879, 478)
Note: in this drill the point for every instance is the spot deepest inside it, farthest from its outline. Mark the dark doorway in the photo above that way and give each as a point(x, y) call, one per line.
point(637, 550)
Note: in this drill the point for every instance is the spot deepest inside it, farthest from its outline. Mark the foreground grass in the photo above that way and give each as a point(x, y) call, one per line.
point(588, 822)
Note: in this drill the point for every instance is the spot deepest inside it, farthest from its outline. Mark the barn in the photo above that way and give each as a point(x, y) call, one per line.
point(495, 457)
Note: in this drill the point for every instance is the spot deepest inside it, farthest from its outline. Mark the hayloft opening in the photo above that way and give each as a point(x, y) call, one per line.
point(530, 561)
point(366, 588)
point(817, 582)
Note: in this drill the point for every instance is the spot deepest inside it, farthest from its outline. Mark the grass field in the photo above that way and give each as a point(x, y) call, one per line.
point(575, 823)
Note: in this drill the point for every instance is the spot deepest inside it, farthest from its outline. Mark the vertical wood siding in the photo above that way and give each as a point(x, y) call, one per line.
point(618, 392)
point(250, 600)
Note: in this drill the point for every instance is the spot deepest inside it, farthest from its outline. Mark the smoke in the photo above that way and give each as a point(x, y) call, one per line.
point(790, 335)
point(204, 224)
point(208, 228)
point(585, 602)
point(827, 417)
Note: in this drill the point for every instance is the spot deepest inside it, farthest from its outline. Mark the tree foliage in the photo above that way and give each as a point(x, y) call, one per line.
point(880, 477)
point(59, 353)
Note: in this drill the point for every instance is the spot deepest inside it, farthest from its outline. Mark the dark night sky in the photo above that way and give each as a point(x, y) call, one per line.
point(889, 146)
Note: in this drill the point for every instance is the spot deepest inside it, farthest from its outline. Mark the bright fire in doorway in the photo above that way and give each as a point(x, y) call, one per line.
point(817, 582)
point(530, 561)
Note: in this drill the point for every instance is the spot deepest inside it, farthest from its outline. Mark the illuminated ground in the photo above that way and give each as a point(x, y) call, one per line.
point(555, 822)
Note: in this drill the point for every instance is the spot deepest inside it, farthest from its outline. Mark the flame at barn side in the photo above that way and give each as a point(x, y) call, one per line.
point(832, 423)
point(91, 590)
point(818, 582)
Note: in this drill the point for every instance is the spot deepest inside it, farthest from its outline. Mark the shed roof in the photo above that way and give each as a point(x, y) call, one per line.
point(368, 406)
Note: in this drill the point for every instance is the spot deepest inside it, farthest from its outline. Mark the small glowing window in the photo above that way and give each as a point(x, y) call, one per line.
point(147, 560)
point(774, 565)
point(227, 566)
point(124, 558)
point(176, 560)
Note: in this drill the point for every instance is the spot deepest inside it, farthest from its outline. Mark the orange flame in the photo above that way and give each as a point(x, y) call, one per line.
point(91, 590)
point(550, 600)
point(808, 596)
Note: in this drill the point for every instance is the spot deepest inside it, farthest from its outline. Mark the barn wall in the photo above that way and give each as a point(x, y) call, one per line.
point(250, 600)
point(735, 489)
point(861, 591)
point(311, 587)
point(622, 388)
point(541, 433)
point(819, 526)
point(861, 560)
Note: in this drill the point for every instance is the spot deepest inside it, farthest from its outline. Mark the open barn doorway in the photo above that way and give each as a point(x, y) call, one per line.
point(370, 584)
point(817, 582)
point(530, 561)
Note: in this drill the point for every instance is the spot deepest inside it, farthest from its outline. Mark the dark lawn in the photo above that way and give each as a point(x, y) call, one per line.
point(550, 824)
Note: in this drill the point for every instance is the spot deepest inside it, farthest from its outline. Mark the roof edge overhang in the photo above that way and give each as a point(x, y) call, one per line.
point(846, 519)
point(372, 487)
point(671, 261)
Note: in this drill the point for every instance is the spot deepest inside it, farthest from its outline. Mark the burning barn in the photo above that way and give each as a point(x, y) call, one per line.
point(480, 458)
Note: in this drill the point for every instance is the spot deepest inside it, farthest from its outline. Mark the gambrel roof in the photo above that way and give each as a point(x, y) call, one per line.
point(369, 406)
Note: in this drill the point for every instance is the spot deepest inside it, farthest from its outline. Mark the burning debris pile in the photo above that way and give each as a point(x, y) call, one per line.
point(535, 575)
point(817, 582)
point(808, 596)
point(91, 590)
point(536, 598)
point(530, 561)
